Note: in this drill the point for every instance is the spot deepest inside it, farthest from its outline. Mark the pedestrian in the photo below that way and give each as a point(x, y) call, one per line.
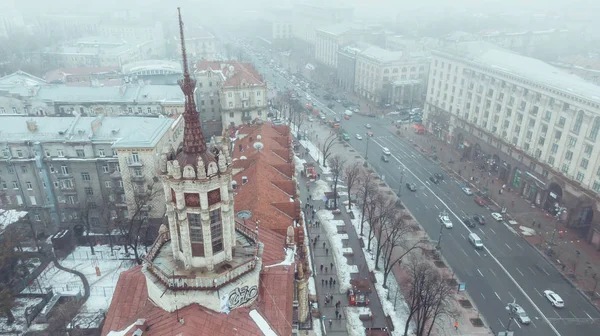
point(326, 251)
point(331, 265)
point(340, 316)
point(325, 269)
point(330, 282)
point(323, 244)
point(308, 200)
point(322, 282)
point(331, 297)
point(512, 203)
point(334, 284)
point(337, 313)
point(456, 325)
point(339, 303)
point(321, 268)
point(315, 243)
point(318, 236)
point(330, 322)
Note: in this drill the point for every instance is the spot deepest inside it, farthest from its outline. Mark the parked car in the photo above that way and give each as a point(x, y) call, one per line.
point(479, 219)
point(330, 105)
point(439, 176)
point(497, 216)
point(554, 299)
point(358, 136)
point(467, 191)
point(434, 179)
point(386, 151)
point(468, 222)
point(411, 187)
point(445, 220)
point(479, 201)
point(385, 158)
point(368, 126)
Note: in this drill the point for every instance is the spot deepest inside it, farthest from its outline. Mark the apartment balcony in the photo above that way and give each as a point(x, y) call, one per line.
point(138, 178)
point(116, 174)
point(117, 190)
point(131, 162)
point(64, 176)
point(68, 191)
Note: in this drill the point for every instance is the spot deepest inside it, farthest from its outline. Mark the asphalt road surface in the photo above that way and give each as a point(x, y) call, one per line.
point(506, 270)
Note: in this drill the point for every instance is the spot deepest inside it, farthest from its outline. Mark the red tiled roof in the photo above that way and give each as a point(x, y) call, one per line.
point(242, 72)
point(130, 302)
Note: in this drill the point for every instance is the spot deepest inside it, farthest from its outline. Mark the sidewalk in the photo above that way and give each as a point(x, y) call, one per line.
point(578, 269)
point(445, 326)
point(324, 261)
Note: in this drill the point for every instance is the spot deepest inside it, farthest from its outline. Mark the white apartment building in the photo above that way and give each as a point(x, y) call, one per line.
point(60, 169)
point(533, 126)
point(23, 94)
point(200, 44)
point(309, 17)
point(390, 77)
point(330, 39)
point(242, 92)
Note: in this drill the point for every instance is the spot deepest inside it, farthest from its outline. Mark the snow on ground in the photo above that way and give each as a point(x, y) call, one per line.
point(316, 330)
point(399, 315)
point(337, 248)
point(353, 323)
point(101, 287)
point(312, 289)
point(299, 163)
point(318, 190)
point(342, 193)
point(20, 325)
point(316, 154)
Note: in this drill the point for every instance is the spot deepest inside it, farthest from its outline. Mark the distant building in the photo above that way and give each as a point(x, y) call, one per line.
point(156, 72)
point(92, 76)
point(58, 168)
point(96, 52)
point(390, 77)
point(346, 65)
point(23, 94)
point(200, 44)
point(308, 18)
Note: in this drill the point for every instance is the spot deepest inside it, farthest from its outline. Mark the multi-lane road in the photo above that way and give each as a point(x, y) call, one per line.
point(506, 270)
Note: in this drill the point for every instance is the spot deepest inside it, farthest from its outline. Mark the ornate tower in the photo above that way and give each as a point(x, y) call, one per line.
point(197, 253)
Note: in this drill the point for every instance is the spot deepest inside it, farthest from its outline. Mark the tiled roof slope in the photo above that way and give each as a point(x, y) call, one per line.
point(130, 302)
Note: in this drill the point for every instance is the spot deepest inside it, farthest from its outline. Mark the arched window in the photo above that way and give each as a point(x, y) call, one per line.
point(578, 122)
point(595, 129)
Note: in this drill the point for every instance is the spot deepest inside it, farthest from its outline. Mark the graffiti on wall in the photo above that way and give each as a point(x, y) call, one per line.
point(242, 295)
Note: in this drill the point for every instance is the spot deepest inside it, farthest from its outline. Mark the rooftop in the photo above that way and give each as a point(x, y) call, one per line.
point(59, 75)
point(234, 72)
point(382, 55)
point(93, 46)
point(160, 65)
point(496, 58)
point(132, 93)
point(124, 132)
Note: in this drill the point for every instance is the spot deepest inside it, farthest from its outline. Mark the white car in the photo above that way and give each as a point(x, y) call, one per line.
point(445, 220)
point(467, 191)
point(310, 119)
point(497, 216)
point(521, 314)
point(368, 126)
point(554, 299)
point(358, 136)
point(386, 151)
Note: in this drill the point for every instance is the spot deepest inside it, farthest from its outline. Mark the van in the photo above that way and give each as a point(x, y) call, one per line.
point(346, 136)
point(475, 241)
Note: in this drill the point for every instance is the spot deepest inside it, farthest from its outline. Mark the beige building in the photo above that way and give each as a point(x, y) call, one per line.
point(309, 17)
point(200, 44)
point(390, 77)
point(242, 92)
point(60, 169)
point(533, 125)
point(330, 39)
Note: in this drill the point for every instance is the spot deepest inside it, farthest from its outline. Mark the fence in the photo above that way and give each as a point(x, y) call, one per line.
point(117, 254)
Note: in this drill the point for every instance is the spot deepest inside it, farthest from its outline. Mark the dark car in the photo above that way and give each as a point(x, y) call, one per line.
point(411, 187)
point(385, 158)
point(468, 222)
point(330, 105)
point(438, 176)
point(479, 219)
point(434, 179)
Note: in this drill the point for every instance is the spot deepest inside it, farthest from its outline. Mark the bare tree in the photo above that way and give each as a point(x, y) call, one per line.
point(352, 175)
point(395, 239)
point(367, 188)
point(336, 165)
point(85, 213)
point(61, 317)
point(386, 213)
point(297, 114)
point(326, 147)
point(135, 227)
point(429, 297)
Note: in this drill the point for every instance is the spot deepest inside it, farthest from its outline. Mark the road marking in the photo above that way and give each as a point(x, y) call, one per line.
point(490, 254)
point(484, 298)
point(518, 324)
point(519, 245)
point(531, 270)
point(493, 230)
point(518, 270)
point(437, 207)
point(479, 272)
point(509, 293)
point(588, 315)
point(501, 323)
point(462, 235)
point(555, 312)
point(538, 292)
point(477, 253)
point(508, 246)
point(491, 270)
point(498, 296)
point(572, 314)
point(464, 252)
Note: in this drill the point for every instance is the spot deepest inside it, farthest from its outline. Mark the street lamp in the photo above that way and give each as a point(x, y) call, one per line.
point(512, 311)
point(367, 152)
point(439, 242)
point(400, 188)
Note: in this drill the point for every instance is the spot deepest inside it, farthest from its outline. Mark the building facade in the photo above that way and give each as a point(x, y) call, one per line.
point(381, 73)
point(346, 65)
point(23, 94)
point(531, 125)
point(308, 18)
point(61, 169)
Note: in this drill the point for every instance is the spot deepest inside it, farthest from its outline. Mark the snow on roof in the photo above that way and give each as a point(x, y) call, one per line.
point(124, 332)
point(290, 253)
point(382, 55)
point(10, 216)
point(124, 131)
point(148, 65)
point(126, 94)
point(262, 324)
point(494, 57)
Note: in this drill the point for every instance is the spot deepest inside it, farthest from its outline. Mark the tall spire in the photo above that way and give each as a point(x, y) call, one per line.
point(193, 139)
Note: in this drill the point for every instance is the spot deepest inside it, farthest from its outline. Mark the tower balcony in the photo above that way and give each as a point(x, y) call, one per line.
point(161, 263)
